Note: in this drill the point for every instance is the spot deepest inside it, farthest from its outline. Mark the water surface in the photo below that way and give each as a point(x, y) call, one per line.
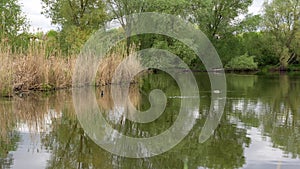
point(260, 127)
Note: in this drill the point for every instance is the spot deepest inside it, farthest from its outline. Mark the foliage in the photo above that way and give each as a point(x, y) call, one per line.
point(173, 46)
point(12, 20)
point(262, 46)
point(215, 17)
point(272, 37)
point(13, 25)
point(174, 7)
point(282, 20)
point(243, 62)
point(52, 44)
point(77, 20)
point(229, 47)
point(251, 23)
point(86, 14)
point(184, 52)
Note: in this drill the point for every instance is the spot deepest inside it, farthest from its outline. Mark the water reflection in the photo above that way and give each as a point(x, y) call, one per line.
point(274, 102)
point(23, 123)
point(260, 128)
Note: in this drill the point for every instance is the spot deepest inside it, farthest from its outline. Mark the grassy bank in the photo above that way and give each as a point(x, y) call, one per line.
point(34, 70)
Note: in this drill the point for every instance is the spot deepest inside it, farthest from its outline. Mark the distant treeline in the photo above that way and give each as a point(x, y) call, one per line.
point(270, 40)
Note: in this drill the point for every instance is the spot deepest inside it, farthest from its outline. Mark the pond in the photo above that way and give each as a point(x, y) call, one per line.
point(260, 127)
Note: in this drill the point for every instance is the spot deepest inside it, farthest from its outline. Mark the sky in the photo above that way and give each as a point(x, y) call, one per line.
point(38, 22)
point(33, 9)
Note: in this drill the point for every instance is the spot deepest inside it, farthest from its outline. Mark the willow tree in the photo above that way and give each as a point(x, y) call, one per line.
point(282, 21)
point(216, 17)
point(76, 18)
point(12, 22)
point(120, 9)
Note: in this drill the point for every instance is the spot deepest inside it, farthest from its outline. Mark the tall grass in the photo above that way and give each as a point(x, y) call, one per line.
point(111, 67)
point(35, 69)
point(5, 73)
point(21, 72)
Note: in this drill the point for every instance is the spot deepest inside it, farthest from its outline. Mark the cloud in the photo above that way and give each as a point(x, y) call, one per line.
point(32, 9)
point(256, 7)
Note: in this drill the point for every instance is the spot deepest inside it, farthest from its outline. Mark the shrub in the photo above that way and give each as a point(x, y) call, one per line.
point(243, 62)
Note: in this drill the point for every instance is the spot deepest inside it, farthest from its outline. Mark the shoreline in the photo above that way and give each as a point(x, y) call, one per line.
point(50, 89)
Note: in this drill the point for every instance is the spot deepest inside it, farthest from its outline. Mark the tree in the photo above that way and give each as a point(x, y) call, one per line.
point(77, 19)
point(119, 9)
point(260, 45)
point(251, 23)
point(215, 17)
point(174, 7)
point(218, 20)
point(86, 14)
point(282, 20)
point(12, 22)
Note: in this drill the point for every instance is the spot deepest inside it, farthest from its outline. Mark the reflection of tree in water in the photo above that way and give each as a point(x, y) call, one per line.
point(72, 148)
point(8, 137)
point(276, 100)
point(70, 145)
point(282, 122)
point(32, 112)
point(271, 102)
point(223, 150)
point(241, 82)
point(6, 145)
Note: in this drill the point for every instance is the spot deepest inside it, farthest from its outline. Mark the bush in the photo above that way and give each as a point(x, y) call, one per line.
point(243, 62)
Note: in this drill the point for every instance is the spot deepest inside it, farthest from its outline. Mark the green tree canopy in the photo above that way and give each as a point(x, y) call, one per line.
point(282, 20)
point(86, 14)
point(12, 20)
point(251, 23)
point(216, 17)
point(77, 20)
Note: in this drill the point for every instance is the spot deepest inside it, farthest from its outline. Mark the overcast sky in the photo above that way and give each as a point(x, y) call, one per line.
point(33, 8)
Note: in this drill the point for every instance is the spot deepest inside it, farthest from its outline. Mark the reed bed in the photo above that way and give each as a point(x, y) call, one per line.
point(112, 67)
point(34, 70)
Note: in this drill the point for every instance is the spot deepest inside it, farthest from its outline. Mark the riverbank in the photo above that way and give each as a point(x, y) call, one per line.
point(34, 71)
point(259, 71)
point(21, 73)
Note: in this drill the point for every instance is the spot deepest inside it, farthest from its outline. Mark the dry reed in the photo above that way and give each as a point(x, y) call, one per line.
point(34, 70)
point(111, 67)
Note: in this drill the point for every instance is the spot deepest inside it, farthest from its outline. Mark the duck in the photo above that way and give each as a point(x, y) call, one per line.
point(217, 91)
